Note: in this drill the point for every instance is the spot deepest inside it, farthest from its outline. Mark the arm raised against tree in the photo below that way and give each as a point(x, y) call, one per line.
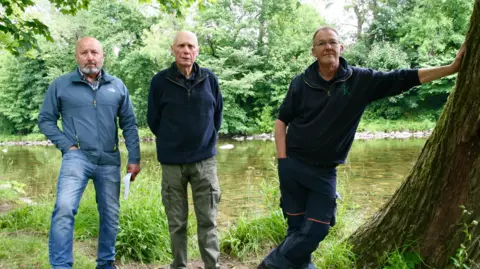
point(426, 211)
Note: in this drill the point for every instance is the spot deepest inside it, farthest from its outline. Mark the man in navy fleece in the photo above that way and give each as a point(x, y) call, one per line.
point(185, 114)
point(322, 109)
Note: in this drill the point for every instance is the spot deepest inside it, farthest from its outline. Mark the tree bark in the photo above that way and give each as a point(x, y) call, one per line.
point(425, 212)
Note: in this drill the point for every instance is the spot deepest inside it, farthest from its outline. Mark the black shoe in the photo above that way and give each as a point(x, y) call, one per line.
point(109, 265)
point(263, 265)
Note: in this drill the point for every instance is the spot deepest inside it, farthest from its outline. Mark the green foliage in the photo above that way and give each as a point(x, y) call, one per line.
point(381, 125)
point(254, 59)
point(413, 34)
point(19, 30)
point(28, 218)
point(253, 236)
point(136, 71)
point(254, 47)
point(23, 82)
point(402, 259)
point(10, 191)
point(19, 34)
point(143, 235)
point(461, 258)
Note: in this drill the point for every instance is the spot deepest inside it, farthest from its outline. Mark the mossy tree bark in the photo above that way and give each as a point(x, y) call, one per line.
point(425, 212)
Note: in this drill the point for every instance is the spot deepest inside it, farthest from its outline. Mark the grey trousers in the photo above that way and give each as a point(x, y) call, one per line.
point(203, 180)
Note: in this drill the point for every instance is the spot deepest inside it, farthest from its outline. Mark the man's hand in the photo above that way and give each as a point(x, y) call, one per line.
point(73, 148)
point(458, 59)
point(426, 75)
point(134, 169)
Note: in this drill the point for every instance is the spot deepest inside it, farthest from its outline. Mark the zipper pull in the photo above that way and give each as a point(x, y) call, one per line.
point(95, 103)
point(328, 92)
point(78, 142)
point(188, 94)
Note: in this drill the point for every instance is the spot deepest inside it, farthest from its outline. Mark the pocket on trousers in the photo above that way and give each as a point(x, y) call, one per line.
point(282, 166)
point(215, 197)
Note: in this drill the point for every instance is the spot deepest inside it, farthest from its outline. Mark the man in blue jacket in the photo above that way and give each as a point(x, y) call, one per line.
point(322, 109)
point(185, 113)
point(89, 102)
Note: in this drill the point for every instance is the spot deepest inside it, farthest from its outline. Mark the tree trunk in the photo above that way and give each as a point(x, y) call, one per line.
point(425, 212)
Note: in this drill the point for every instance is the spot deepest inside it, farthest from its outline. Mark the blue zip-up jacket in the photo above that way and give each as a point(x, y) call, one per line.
point(323, 116)
point(89, 118)
point(184, 115)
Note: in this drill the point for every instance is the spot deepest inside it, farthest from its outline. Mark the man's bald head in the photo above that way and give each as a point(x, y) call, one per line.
point(88, 40)
point(180, 36)
point(89, 55)
point(185, 48)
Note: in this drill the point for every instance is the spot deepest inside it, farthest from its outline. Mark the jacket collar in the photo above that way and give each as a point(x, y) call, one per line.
point(314, 79)
point(174, 74)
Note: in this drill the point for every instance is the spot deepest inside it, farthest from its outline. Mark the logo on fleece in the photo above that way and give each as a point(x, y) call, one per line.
point(111, 89)
point(345, 89)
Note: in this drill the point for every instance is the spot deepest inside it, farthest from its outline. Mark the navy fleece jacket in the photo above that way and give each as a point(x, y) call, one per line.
point(323, 116)
point(184, 114)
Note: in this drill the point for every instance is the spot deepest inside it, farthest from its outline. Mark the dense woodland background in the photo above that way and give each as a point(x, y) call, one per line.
point(254, 46)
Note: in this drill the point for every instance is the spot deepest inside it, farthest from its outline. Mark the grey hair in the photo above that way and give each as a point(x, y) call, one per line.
point(183, 31)
point(323, 28)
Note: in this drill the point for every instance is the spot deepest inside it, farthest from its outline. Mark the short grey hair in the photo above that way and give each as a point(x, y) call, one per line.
point(324, 28)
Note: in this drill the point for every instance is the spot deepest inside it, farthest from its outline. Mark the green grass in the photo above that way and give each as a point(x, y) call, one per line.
point(404, 258)
point(10, 191)
point(253, 237)
point(395, 126)
point(29, 251)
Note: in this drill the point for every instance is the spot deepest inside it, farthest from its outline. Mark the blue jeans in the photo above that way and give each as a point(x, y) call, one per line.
point(309, 201)
point(74, 174)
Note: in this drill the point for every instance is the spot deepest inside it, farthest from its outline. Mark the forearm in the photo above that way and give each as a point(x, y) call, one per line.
point(280, 139)
point(132, 142)
point(426, 75)
point(57, 137)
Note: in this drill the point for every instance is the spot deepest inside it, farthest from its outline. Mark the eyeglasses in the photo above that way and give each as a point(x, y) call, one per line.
point(332, 43)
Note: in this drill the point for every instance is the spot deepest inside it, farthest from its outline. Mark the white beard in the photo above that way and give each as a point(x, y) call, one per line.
point(89, 70)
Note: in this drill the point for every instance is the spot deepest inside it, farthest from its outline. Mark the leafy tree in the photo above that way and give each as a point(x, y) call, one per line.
point(255, 59)
point(19, 33)
point(430, 33)
point(23, 82)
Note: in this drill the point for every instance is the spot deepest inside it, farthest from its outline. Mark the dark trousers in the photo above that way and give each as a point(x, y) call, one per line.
point(308, 201)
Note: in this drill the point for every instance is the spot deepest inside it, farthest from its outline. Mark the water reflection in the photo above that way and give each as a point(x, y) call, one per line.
point(373, 171)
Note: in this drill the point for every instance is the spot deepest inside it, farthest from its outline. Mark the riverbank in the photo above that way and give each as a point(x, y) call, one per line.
point(377, 129)
point(263, 137)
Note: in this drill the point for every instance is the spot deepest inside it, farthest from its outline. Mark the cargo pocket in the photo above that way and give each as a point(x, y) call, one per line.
point(215, 195)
